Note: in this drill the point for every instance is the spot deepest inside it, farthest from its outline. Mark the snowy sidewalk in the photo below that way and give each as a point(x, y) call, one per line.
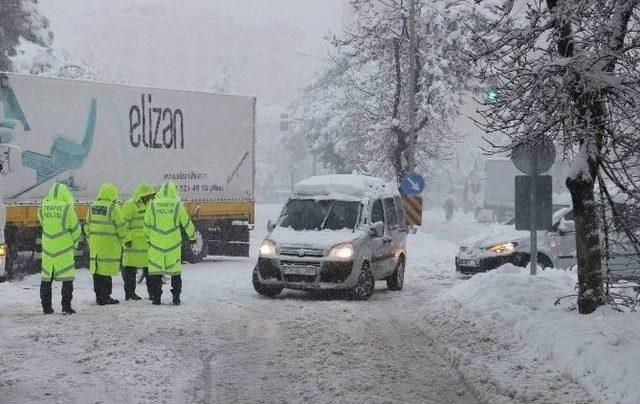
point(515, 312)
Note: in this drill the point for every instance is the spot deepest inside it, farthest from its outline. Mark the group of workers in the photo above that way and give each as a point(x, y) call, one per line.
point(144, 233)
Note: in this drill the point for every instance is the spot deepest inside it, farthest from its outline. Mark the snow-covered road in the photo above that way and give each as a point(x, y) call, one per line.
point(226, 343)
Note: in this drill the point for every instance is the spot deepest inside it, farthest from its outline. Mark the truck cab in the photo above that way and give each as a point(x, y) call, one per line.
point(336, 232)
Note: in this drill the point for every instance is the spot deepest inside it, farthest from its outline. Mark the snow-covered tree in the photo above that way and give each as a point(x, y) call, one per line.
point(568, 71)
point(21, 20)
point(222, 83)
point(356, 114)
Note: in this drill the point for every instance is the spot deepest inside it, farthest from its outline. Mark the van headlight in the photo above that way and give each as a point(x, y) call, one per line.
point(342, 251)
point(268, 248)
point(3, 250)
point(503, 248)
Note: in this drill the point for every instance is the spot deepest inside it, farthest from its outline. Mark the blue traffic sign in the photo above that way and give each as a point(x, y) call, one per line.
point(413, 184)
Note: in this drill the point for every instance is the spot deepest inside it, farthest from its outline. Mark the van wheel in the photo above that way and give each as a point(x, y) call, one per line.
point(366, 284)
point(270, 291)
point(396, 280)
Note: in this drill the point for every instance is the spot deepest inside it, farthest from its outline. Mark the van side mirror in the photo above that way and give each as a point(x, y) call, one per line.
point(271, 224)
point(566, 227)
point(377, 229)
point(9, 158)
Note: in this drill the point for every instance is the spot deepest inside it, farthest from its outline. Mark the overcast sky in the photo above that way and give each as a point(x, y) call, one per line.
point(271, 46)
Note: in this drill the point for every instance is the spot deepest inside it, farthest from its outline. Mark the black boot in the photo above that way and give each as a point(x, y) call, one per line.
point(111, 300)
point(129, 278)
point(45, 297)
point(176, 288)
point(155, 288)
point(97, 288)
point(67, 296)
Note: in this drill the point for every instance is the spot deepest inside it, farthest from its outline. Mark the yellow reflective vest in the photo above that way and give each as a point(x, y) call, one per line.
point(106, 231)
point(133, 212)
point(60, 234)
point(163, 220)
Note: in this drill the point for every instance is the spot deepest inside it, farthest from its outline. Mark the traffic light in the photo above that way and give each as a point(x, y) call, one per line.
point(491, 95)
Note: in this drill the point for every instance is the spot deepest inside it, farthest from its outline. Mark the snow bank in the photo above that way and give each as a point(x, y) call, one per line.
point(600, 351)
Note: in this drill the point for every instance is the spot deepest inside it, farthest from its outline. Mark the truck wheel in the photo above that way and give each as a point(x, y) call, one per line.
point(9, 264)
point(366, 284)
point(82, 259)
point(196, 252)
point(396, 280)
point(270, 291)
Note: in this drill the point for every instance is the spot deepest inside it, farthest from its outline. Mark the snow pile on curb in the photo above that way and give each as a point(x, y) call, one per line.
point(600, 351)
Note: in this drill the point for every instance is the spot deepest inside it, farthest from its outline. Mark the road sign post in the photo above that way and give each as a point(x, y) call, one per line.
point(411, 187)
point(534, 160)
point(413, 184)
point(533, 222)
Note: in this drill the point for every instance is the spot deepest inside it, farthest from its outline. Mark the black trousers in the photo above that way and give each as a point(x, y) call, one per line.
point(102, 286)
point(145, 276)
point(67, 294)
point(155, 284)
point(129, 278)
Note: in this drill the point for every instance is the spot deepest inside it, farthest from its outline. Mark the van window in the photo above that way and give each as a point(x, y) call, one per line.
point(400, 211)
point(309, 214)
point(390, 210)
point(377, 213)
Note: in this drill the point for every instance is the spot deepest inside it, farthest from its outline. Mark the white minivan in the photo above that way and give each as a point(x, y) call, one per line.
point(337, 232)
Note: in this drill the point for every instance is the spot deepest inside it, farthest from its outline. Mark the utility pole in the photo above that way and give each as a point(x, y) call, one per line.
point(410, 152)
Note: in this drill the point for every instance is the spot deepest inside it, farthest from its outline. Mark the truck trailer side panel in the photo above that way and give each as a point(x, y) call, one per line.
point(86, 133)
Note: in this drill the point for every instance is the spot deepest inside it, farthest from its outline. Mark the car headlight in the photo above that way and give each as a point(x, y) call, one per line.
point(342, 251)
point(503, 248)
point(268, 248)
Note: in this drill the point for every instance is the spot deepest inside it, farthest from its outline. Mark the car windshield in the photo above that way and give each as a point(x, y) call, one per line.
point(309, 214)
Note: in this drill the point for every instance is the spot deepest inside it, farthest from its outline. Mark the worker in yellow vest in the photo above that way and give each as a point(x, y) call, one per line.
point(60, 236)
point(136, 257)
point(163, 220)
point(107, 233)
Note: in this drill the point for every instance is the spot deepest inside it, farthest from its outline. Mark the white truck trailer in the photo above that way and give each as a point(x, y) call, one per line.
point(499, 188)
point(86, 133)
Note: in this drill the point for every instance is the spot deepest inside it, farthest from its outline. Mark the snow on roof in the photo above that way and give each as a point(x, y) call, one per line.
point(342, 184)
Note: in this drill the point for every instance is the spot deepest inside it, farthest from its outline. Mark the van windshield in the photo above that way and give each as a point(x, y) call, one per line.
point(309, 214)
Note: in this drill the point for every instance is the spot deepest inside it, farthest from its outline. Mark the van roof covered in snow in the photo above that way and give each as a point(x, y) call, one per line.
point(339, 186)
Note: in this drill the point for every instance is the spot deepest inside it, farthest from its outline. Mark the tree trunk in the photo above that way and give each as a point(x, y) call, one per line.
point(590, 279)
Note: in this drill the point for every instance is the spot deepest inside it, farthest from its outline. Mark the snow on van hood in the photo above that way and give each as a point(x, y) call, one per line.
point(337, 186)
point(497, 235)
point(284, 236)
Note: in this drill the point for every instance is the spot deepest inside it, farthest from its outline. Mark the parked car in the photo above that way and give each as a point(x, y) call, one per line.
point(336, 232)
point(504, 244)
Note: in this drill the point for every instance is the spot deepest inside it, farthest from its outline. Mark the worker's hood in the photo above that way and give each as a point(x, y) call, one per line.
point(142, 190)
point(60, 192)
point(108, 192)
point(168, 190)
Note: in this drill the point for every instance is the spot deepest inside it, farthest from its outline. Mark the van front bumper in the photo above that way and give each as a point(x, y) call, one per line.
point(306, 275)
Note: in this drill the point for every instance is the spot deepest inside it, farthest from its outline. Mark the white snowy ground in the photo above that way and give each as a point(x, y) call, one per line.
point(225, 343)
